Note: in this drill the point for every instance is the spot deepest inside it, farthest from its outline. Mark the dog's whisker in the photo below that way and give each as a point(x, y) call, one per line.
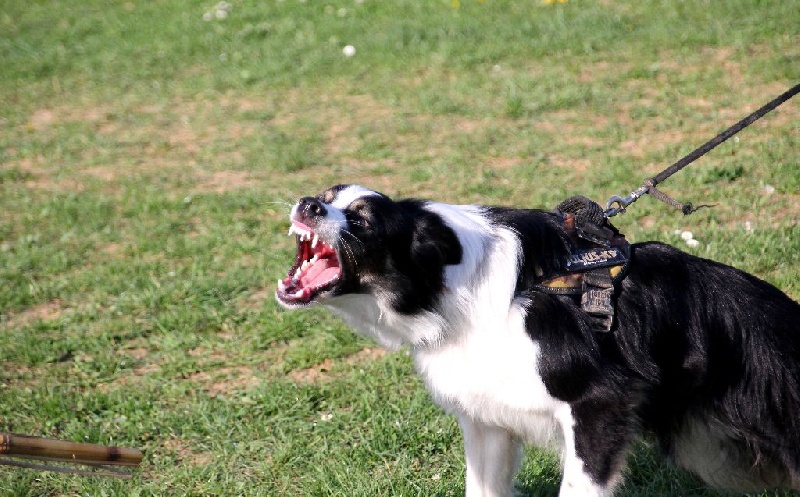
point(348, 251)
point(352, 237)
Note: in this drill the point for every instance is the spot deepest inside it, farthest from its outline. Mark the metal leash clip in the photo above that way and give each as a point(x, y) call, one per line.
point(623, 202)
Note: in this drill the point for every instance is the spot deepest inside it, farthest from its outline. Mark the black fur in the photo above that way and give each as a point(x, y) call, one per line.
point(697, 341)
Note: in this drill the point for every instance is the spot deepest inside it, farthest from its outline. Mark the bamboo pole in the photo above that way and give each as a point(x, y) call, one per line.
point(48, 449)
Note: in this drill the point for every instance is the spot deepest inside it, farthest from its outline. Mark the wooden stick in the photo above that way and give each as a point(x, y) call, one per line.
point(48, 449)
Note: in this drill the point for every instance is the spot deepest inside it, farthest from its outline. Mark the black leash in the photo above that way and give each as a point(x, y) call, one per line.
point(617, 204)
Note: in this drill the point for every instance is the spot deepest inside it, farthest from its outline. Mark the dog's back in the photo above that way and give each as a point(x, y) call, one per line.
point(720, 351)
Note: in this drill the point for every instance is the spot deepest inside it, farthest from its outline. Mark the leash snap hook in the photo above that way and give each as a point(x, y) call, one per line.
point(621, 203)
point(616, 204)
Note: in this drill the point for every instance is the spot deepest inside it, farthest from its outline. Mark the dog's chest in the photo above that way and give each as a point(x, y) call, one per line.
point(492, 376)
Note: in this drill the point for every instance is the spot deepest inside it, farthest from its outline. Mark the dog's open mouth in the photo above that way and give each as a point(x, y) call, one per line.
point(315, 271)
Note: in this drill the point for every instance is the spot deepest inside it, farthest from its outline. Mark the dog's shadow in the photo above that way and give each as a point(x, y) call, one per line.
point(647, 475)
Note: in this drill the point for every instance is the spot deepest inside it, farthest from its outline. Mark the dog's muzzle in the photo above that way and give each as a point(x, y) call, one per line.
point(316, 269)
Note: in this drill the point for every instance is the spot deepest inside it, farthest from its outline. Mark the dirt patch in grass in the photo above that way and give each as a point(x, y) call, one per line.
point(41, 119)
point(144, 139)
point(223, 381)
point(646, 144)
point(592, 72)
point(39, 175)
point(183, 451)
point(342, 135)
point(225, 181)
point(315, 374)
point(323, 371)
point(46, 311)
point(577, 165)
point(138, 353)
point(255, 301)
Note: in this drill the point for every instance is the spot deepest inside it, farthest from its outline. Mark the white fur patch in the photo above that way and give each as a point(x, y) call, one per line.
point(350, 194)
point(493, 455)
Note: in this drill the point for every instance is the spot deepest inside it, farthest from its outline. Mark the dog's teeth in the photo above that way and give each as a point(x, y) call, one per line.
point(281, 286)
point(298, 293)
point(314, 241)
point(304, 265)
point(303, 234)
point(314, 259)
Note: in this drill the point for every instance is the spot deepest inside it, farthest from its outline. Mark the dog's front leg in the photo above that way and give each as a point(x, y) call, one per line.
point(493, 457)
point(595, 444)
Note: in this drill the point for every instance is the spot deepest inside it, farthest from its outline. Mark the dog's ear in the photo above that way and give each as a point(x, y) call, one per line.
point(434, 244)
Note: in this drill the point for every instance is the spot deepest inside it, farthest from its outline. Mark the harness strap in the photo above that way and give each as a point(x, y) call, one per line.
point(598, 262)
point(595, 289)
point(597, 298)
point(572, 283)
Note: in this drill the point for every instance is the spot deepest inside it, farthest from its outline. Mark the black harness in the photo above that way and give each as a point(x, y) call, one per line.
point(598, 262)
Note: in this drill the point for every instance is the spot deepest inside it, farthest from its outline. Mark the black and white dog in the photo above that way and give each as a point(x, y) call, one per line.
point(704, 357)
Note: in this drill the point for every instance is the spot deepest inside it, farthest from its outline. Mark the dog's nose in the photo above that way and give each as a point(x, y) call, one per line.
point(310, 208)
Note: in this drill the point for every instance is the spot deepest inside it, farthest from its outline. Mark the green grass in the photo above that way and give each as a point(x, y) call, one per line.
point(148, 159)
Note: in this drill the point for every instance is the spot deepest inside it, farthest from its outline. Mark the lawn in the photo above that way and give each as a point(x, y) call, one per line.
point(150, 152)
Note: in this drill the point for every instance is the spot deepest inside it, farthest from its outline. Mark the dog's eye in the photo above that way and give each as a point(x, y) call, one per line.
point(359, 217)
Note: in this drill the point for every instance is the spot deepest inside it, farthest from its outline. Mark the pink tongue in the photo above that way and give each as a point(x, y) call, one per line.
point(319, 273)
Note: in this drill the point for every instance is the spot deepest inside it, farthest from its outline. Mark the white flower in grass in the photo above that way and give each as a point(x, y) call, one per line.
point(769, 189)
point(687, 235)
point(219, 11)
point(326, 416)
point(349, 51)
point(692, 242)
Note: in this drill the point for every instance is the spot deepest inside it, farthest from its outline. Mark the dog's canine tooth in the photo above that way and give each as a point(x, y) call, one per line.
point(314, 241)
point(281, 286)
